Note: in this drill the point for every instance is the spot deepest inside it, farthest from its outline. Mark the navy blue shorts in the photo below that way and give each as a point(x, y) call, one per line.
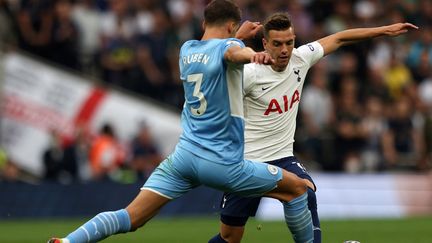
point(234, 207)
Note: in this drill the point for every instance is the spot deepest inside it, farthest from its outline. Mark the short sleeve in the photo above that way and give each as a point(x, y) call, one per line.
point(311, 52)
point(228, 43)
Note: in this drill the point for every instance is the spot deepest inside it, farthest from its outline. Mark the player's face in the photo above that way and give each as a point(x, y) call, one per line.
point(279, 45)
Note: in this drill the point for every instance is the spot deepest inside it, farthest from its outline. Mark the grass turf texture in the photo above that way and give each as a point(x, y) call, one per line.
point(199, 230)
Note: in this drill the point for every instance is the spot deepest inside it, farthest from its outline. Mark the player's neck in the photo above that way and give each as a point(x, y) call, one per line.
point(278, 69)
point(215, 33)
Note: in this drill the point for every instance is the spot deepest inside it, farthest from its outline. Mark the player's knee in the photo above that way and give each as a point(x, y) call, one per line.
point(299, 188)
point(231, 236)
point(232, 228)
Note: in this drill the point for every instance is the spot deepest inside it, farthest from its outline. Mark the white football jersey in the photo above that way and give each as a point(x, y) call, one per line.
point(271, 101)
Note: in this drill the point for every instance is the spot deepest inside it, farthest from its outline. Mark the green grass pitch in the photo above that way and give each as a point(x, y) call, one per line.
point(199, 230)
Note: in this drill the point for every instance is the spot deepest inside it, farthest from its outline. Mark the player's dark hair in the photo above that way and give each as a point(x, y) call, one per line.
point(220, 11)
point(277, 21)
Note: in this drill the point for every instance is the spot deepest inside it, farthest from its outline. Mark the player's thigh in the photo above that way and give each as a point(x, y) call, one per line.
point(172, 179)
point(253, 179)
point(235, 208)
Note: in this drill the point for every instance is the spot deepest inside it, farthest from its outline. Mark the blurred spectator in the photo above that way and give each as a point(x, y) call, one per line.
point(64, 36)
point(144, 18)
point(106, 153)
point(374, 124)
point(376, 86)
point(423, 16)
point(153, 57)
point(10, 172)
point(350, 134)
point(341, 17)
point(343, 64)
point(397, 76)
point(402, 141)
point(87, 17)
point(53, 158)
point(424, 68)
point(301, 20)
point(117, 50)
point(317, 115)
point(7, 30)
point(145, 155)
point(187, 22)
point(35, 23)
point(421, 47)
point(76, 155)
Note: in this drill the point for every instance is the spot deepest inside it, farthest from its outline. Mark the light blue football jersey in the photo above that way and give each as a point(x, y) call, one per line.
point(212, 117)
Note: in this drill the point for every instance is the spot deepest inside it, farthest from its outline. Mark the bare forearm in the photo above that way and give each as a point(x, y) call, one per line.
point(350, 36)
point(354, 35)
point(242, 55)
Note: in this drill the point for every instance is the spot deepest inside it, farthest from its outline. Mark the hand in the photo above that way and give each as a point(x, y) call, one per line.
point(262, 58)
point(248, 30)
point(399, 28)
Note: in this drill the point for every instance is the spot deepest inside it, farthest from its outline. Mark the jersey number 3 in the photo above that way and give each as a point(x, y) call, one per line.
point(197, 79)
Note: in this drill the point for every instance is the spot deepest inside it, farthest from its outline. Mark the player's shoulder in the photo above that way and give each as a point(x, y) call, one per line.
point(253, 69)
point(303, 52)
point(233, 41)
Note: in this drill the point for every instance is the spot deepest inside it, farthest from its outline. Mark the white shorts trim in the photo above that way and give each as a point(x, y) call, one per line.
point(153, 190)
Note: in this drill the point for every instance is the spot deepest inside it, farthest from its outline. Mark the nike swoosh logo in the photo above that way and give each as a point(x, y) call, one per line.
point(265, 88)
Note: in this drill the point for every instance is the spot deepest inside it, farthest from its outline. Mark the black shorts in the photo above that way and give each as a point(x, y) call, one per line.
point(236, 206)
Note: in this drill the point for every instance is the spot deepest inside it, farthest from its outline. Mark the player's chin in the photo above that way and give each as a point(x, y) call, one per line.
point(281, 61)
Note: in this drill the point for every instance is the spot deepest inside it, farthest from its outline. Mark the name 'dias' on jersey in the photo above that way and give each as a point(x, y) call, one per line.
point(197, 57)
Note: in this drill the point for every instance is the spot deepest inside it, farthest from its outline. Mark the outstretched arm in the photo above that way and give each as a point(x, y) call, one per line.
point(332, 42)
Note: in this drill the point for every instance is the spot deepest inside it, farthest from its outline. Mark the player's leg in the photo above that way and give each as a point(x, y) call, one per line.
point(257, 179)
point(164, 184)
point(235, 211)
point(145, 206)
point(228, 233)
point(292, 165)
point(292, 191)
point(109, 223)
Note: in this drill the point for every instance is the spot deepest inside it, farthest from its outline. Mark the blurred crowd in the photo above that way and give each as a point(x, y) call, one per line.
point(366, 108)
point(91, 156)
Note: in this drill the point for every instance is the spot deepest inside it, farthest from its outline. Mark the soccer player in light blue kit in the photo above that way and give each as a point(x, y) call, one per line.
point(211, 147)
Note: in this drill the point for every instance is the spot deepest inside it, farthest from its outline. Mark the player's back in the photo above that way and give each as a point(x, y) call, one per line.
point(212, 117)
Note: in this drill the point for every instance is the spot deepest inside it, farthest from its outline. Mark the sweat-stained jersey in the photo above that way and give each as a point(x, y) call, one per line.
point(271, 101)
point(212, 117)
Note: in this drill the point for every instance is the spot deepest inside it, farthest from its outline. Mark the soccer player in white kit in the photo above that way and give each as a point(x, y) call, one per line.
point(271, 100)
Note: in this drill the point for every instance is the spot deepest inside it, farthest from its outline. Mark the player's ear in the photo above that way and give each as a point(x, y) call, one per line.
point(203, 25)
point(264, 42)
point(231, 28)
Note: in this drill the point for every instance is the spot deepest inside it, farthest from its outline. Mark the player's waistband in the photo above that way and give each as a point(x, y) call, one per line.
point(284, 159)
